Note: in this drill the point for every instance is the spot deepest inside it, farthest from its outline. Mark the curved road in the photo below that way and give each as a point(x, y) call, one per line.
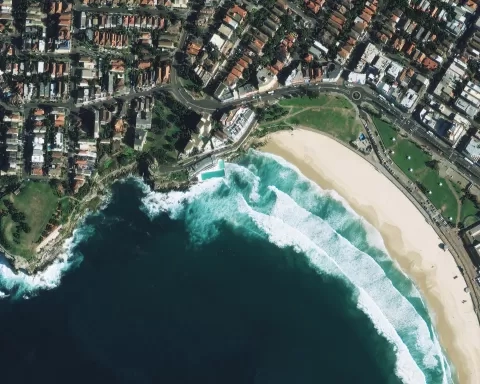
point(398, 117)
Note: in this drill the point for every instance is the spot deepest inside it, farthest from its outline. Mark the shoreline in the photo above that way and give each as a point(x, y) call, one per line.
point(414, 248)
point(51, 251)
point(94, 199)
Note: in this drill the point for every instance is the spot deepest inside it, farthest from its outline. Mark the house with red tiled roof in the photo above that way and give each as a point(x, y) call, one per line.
point(421, 57)
point(373, 8)
point(166, 74)
point(236, 72)
point(398, 44)
point(60, 121)
point(335, 25)
point(471, 5)
point(193, 48)
point(430, 64)
point(360, 27)
point(315, 8)
point(259, 43)
point(243, 63)
point(119, 126)
point(368, 11)
point(144, 65)
point(366, 17)
point(344, 54)
point(231, 80)
point(277, 67)
point(409, 51)
point(337, 20)
point(239, 68)
point(117, 65)
point(237, 13)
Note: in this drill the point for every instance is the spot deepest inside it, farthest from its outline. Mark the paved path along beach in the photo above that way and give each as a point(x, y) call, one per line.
point(410, 240)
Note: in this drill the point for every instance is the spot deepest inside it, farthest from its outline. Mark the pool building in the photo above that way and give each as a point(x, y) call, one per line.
point(217, 171)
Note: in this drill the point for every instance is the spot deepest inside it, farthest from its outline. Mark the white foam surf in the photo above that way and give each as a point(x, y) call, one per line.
point(23, 285)
point(173, 202)
point(363, 271)
point(310, 200)
point(289, 224)
point(283, 234)
point(339, 221)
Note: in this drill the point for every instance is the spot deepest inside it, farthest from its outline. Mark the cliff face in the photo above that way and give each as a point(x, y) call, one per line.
point(53, 248)
point(168, 185)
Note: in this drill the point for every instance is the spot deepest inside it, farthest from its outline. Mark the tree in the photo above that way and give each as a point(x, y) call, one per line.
point(25, 227)
point(313, 93)
point(473, 66)
point(288, 23)
point(433, 164)
point(18, 216)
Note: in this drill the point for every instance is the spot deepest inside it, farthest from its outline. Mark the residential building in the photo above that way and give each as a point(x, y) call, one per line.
point(237, 122)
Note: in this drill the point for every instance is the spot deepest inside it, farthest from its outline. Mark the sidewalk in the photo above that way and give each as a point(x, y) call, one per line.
point(448, 235)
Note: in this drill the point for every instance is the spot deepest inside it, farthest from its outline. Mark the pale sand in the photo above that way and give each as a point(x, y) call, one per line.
point(408, 237)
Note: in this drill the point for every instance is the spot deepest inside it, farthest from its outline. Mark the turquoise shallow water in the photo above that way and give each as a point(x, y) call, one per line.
point(260, 277)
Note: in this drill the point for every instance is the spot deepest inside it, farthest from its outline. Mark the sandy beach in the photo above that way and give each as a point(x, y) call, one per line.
point(409, 238)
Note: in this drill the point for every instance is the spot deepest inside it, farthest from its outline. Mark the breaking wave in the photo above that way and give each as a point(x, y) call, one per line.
point(21, 285)
point(267, 197)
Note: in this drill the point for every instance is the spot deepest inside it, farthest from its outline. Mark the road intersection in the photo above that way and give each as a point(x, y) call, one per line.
point(399, 118)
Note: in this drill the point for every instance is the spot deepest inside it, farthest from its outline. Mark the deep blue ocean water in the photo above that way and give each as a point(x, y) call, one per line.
point(261, 277)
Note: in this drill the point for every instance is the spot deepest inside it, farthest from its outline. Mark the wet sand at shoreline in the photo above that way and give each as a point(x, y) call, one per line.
point(410, 240)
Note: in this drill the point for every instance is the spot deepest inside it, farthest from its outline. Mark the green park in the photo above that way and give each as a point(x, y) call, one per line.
point(25, 214)
point(336, 116)
point(333, 115)
point(425, 171)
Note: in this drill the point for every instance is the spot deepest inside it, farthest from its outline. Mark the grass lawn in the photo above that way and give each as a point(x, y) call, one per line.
point(442, 197)
point(38, 202)
point(157, 141)
point(386, 131)
point(330, 114)
point(66, 206)
point(107, 164)
point(162, 140)
point(341, 124)
point(469, 213)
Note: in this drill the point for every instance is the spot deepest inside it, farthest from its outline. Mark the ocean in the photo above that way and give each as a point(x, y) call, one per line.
point(260, 277)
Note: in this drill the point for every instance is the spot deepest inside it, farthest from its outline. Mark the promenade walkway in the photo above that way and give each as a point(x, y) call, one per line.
point(448, 235)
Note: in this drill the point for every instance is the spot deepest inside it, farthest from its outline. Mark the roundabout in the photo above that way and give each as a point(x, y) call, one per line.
point(356, 95)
